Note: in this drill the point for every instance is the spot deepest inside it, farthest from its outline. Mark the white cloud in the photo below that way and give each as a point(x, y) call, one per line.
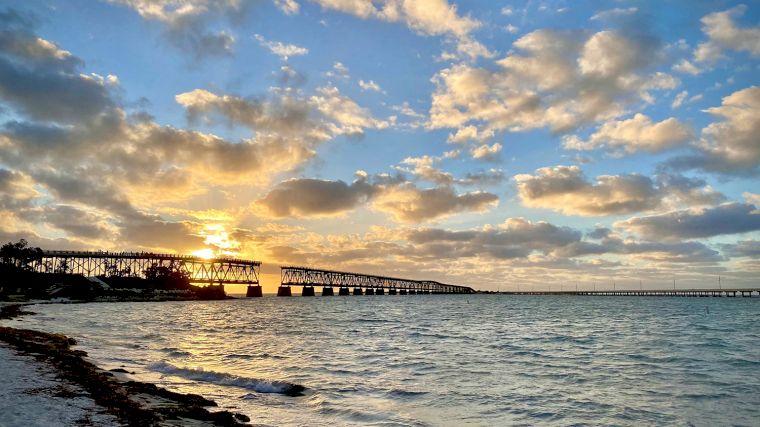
point(614, 13)
point(555, 79)
point(371, 86)
point(687, 67)
point(723, 33)
point(565, 189)
point(679, 99)
point(633, 135)
point(486, 152)
point(338, 71)
point(280, 49)
point(730, 145)
point(289, 7)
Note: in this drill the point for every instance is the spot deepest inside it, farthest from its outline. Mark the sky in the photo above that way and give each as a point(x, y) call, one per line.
point(498, 145)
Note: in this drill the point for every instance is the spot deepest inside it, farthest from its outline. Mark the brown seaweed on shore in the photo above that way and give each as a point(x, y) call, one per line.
point(118, 397)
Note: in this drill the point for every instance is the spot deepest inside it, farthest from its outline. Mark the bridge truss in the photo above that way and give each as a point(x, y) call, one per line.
point(217, 271)
point(303, 276)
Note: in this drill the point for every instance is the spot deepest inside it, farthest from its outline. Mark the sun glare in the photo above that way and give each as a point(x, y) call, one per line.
point(204, 253)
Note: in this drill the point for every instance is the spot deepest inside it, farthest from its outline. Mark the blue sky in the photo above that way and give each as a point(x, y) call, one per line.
point(482, 143)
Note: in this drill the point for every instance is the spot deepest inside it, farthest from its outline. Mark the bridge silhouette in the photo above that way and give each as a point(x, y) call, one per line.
point(227, 270)
point(212, 271)
point(368, 284)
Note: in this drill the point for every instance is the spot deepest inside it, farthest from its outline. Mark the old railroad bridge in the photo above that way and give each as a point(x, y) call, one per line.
point(224, 270)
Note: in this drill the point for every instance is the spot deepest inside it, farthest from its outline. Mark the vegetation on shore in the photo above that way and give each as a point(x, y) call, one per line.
point(119, 397)
point(19, 281)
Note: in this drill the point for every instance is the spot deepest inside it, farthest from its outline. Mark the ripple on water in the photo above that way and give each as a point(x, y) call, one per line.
point(441, 360)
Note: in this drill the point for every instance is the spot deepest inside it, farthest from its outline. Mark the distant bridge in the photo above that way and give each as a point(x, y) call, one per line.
point(215, 271)
point(368, 284)
point(734, 292)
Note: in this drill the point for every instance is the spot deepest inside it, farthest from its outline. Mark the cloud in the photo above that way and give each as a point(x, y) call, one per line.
point(728, 146)
point(371, 86)
point(614, 13)
point(634, 135)
point(566, 189)
point(486, 152)
point(427, 17)
point(186, 24)
point(338, 71)
point(407, 203)
point(723, 34)
point(289, 7)
point(78, 163)
point(307, 197)
point(686, 67)
point(515, 238)
point(320, 117)
point(679, 99)
point(403, 201)
point(283, 50)
point(556, 79)
point(43, 81)
point(742, 248)
point(728, 218)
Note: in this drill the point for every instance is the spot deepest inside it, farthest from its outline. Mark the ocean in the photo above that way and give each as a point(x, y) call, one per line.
point(439, 360)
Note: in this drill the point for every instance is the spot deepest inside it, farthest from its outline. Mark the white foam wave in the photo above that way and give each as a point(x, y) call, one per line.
point(225, 379)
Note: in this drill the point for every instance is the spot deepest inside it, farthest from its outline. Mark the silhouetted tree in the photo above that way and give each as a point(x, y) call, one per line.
point(20, 255)
point(167, 278)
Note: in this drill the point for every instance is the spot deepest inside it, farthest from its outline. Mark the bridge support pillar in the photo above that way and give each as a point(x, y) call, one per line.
point(403, 292)
point(284, 291)
point(379, 291)
point(308, 291)
point(370, 291)
point(391, 291)
point(358, 291)
point(343, 291)
point(254, 291)
point(327, 291)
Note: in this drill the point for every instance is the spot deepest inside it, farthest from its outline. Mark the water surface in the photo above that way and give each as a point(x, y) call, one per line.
point(438, 359)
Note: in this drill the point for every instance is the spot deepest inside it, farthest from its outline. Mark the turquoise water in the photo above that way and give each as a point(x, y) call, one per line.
point(438, 359)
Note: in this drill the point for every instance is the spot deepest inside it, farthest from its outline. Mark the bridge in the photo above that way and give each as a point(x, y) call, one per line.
point(213, 271)
point(734, 292)
point(367, 284)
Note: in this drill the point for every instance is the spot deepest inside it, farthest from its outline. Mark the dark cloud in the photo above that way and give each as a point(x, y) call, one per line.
point(728, 218)
point(515, 238)
point(315, 197)
point(566, 189)
point(43, 81)
point(743, 248)
point(403, 200)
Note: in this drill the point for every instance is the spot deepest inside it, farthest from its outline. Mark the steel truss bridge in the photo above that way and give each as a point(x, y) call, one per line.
point(310, 277)
point(214, 271)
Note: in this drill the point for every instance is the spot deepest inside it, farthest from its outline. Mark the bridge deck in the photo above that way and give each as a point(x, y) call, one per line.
point(745, 292)
point(304, 276)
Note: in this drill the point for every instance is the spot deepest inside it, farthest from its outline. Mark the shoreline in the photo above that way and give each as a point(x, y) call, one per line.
point(131, 402)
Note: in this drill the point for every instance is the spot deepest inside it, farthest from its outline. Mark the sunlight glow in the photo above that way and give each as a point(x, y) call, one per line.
point(206, 253)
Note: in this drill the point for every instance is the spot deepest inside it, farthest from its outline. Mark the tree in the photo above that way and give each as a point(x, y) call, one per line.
point(20, 255)
point(167, 277)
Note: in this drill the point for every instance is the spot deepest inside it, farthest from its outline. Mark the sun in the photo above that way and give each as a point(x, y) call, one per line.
point(204, 253)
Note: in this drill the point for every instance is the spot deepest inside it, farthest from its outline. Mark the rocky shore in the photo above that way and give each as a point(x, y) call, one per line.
point(132, 403)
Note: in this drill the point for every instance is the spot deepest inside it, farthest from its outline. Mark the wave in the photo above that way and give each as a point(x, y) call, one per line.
point(175, 352)
point(221, 378)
